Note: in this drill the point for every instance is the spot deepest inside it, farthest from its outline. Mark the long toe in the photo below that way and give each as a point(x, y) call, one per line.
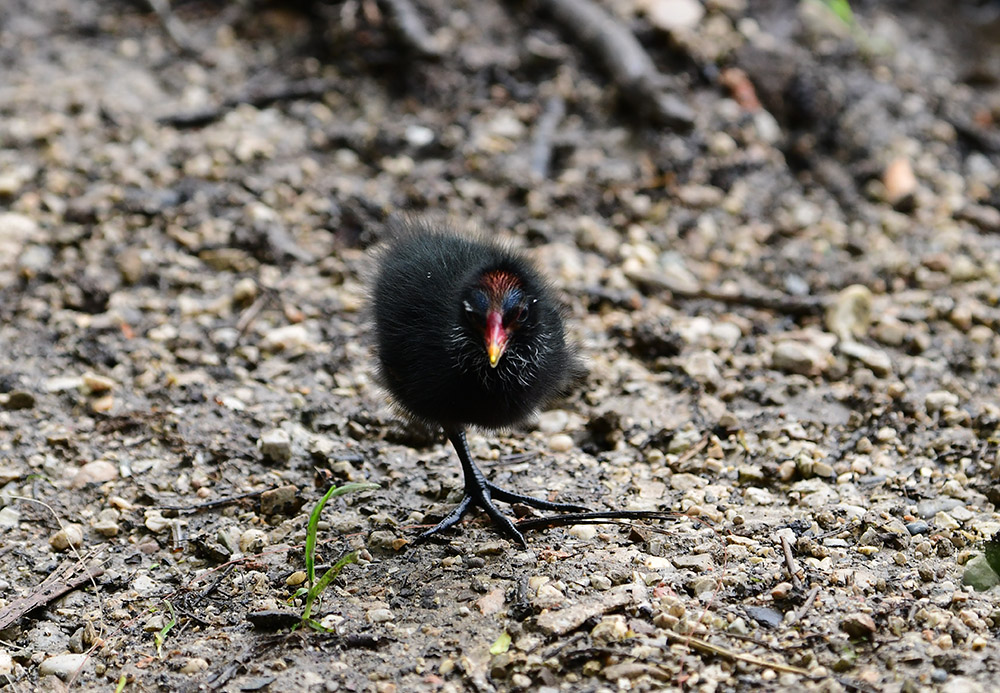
point(503, 523)
point(509, 497)
point(450, 520)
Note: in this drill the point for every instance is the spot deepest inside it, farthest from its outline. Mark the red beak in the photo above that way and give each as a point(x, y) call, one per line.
point(496, 337)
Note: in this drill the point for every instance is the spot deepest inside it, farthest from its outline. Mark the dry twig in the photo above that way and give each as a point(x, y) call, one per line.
point(626, 61)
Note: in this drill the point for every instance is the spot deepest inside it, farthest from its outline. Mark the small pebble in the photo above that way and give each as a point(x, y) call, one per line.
point(245, 291)
point(850, 314)
point(703, 366)
point(379, 615)
point(288, 338)
point(63, 665)
point(877, 360)
point(781, 591)
point(106, 523)
point(253, 541)
point(610, 629)
point(9, 516)
point(900, 183)
point(103, 404)
point(786, 470)
point(96, 472)
point(97, 384)
point(554, 421)
point(858, 625)
point(700, 563)
point(560, 442)
point(194, 665)
point(945, 521)
point(673, 15)
point(71, 535)
point(583, 531)
point(798, 357)
point(155, 522)
point(937, 400)
point(281, 500)
point(886, 434)
point(276, 445)
point(824, 470)
point(418, 135)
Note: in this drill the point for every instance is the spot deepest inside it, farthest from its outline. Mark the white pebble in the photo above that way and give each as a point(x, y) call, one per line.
point(63, 665)
point(155, 522)
point(939, 399)
point(253, 541)
point(194, 665)
point(70, 535)
point(379, 615)
point(560, 443)
point(97, 383)
point(276, 445)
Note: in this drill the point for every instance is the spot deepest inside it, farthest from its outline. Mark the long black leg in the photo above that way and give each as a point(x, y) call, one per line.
point(481, 492)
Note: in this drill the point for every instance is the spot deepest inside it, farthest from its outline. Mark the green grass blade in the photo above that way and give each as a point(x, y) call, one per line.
point(160, 637)
point(325, 581)
point(314, 520)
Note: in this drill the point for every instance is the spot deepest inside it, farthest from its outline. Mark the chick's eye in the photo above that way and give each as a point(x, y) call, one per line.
point(473, 313)
point(516, 315)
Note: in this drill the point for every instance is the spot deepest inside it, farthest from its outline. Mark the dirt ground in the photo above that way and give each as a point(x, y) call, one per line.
point(783, 277)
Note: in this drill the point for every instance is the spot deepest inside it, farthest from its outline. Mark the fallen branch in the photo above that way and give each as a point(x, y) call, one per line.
point(405, 21)
point(625, 60)
point(63, 579)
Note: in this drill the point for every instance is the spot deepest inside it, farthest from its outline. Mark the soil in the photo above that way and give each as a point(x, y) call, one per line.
point(784, 285)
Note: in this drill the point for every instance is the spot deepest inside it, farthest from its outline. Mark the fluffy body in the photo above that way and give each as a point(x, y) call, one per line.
point(432, 358)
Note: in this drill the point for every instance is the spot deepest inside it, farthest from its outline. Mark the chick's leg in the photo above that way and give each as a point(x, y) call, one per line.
point(481, 492)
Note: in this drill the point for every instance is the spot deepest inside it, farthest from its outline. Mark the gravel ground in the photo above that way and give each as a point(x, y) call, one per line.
point(786, 298)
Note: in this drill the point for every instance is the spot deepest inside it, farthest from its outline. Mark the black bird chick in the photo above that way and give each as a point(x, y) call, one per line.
point(467, 333)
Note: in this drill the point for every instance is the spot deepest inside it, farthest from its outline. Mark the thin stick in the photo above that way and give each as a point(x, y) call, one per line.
point(804, 609)
point(786, 547)
point(214, 503)
point(692, 451)
point(709, 648)
point(251, 313)
point(593, 518)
